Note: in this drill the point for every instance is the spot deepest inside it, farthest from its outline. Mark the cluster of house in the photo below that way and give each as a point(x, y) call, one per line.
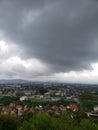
point(19, 110)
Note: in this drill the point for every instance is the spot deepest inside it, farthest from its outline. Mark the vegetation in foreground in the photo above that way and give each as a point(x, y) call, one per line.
point(42, 121)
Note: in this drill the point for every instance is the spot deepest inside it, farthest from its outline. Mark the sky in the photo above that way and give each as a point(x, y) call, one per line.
point(49, 40)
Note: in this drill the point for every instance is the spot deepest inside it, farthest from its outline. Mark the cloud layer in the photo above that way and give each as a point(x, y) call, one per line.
point(62, 35)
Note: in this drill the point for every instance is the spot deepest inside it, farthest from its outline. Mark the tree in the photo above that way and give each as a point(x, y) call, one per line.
point(8, 122)
point(88, 124)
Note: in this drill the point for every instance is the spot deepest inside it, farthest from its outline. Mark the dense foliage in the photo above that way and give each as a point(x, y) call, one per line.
point(8, 122)
point(42, 121)
point(88, 101)
point(7, 100)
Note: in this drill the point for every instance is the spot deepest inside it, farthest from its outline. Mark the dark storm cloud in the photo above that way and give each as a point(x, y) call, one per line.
point(63, 34)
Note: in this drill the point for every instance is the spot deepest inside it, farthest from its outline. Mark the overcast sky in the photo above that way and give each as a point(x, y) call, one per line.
point(49, 40)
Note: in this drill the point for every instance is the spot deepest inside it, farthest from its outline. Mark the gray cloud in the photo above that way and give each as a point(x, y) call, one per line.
point(63, 34)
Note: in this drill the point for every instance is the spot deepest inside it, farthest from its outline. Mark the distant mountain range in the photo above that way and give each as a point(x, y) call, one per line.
point(13, 81)
point(21, 81)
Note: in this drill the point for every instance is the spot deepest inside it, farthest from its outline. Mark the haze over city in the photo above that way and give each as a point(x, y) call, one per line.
point(48, 40)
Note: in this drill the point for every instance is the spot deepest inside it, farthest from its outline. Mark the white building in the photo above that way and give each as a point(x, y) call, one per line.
point(96, 108)
point(24, 98)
